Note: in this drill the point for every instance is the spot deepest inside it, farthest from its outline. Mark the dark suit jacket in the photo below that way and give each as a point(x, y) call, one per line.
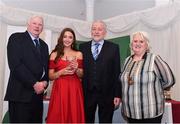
point(107, 69)
point(26, 66)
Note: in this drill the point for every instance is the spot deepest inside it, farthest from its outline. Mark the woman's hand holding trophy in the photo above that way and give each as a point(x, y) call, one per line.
point(72, 64)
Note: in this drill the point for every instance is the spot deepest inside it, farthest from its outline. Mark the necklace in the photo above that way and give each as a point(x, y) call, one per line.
point(130, 81)
point(132, 70)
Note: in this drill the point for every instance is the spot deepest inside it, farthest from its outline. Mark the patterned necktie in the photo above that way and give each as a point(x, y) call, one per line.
point(37, 45)
point(96, 51)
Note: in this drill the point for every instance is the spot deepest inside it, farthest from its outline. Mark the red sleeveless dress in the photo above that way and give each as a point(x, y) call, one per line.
point(66, 102)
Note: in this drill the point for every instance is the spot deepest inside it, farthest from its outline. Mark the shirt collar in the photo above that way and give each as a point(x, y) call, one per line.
point(33, 38)
point(100, 42)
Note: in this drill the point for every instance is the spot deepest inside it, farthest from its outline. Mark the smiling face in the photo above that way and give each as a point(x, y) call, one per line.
point(35, 26)
point(98, 31)
point(139, 44)
point(68, 39)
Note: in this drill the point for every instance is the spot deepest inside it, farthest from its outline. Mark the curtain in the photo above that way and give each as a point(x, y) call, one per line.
point(162, 23)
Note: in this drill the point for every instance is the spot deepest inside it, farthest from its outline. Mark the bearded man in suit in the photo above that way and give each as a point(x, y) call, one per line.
point(101, 62)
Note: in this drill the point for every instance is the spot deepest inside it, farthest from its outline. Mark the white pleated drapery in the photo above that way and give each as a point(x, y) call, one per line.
point(162, 23)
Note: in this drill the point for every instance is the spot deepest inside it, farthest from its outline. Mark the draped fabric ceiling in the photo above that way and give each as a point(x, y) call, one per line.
point(162, 23)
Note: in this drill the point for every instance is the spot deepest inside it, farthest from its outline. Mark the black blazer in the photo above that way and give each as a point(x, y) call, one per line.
point(26, 66)
point(107, 69)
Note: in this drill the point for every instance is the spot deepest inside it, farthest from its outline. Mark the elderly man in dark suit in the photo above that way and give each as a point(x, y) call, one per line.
point(28, 63)
point(101, 69)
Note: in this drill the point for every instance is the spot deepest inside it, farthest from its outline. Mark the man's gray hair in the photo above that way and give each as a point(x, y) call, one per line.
point(35, 16)
point(102, 22)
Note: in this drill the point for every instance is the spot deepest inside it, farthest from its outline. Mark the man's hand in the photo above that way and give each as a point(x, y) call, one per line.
point(45, 84)
point(116, 102)
point(39, 87)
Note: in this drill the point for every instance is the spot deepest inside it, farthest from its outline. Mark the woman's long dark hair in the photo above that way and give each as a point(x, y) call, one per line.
point(59, 48)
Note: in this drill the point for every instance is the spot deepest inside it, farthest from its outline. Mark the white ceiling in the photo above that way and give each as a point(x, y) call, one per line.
point(103, 9)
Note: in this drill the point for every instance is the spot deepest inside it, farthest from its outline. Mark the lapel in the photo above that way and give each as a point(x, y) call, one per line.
point(89, 50)
point(32, 46)
point(42, 50)
point(103, 50)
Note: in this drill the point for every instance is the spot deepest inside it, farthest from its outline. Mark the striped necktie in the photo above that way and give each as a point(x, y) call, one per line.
point(96, 51)
point(37, 45)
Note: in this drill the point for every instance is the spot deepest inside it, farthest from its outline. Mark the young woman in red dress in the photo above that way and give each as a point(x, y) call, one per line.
point(65, 69)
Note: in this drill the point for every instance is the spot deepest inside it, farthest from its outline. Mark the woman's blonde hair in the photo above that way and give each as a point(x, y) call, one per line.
point(144, 35)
